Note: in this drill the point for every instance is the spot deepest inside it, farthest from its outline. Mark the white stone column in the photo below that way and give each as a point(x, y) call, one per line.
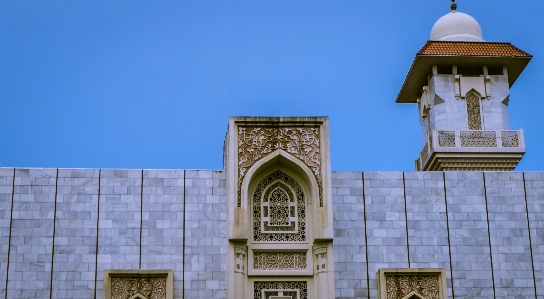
point(321, 270)
point(240, 265)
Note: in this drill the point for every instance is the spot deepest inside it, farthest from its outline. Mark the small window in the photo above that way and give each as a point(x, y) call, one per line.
point(444, 69)
point(495, 70)
point(470, 70)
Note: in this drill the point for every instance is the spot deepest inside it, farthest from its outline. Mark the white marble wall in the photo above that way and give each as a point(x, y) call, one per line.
point(478, 230)
point(452, 114)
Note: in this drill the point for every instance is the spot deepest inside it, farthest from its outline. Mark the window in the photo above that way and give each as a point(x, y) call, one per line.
point(474, 115)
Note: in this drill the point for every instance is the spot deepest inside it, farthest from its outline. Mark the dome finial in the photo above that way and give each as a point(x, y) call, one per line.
point(453, 5)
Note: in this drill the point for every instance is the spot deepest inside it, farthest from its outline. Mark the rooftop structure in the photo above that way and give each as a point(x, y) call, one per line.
point(461, 85)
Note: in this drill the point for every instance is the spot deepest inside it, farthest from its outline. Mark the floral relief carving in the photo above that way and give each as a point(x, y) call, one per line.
point(398, 286)
point(149, 287)
point(254, 143)
point(279, 260)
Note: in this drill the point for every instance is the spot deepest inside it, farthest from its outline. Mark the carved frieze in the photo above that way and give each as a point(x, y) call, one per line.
point(303, 143)
point(148, 287)
point(279, 261)
point(398, 286)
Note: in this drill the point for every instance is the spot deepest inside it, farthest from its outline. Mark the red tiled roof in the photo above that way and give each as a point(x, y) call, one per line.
point(472, 49)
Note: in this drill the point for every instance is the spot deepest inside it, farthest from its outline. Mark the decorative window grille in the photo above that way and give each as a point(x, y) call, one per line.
point(279, 210)
point(473, 112)
point(478, 139)
point(446, 138)
point(281, 290)
point(509, 139)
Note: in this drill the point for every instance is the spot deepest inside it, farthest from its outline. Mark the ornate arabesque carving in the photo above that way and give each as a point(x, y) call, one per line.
point(398, 286)
point(478, 138)
point(279, 261)
point(295, 231)
point(473, 112)
point(254, 143)
point(293, 289)
point(149, 287)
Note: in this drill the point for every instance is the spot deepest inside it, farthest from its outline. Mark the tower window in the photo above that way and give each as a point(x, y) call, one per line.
point(470, 70)
point(473, 112)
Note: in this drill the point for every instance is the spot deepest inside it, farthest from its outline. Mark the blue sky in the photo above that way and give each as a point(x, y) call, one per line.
point(151, 84)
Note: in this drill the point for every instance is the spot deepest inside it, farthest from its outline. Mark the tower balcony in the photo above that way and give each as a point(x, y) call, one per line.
point(471, 150)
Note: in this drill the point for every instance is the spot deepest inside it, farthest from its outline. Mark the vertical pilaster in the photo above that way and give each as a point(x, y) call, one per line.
point(162, 223)
point(119, 222)
point(6, 199)
point(75, 234)
point(240, 270)
point(32, 233)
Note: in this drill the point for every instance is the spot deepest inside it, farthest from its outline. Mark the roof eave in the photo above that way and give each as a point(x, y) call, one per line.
point(421, 67)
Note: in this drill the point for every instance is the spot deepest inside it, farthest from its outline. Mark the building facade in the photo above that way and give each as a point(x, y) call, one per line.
point(278, 223)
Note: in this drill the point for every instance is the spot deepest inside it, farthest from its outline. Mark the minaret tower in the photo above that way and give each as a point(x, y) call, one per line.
point(461, 84)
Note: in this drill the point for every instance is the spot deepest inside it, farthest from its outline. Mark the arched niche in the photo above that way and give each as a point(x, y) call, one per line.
point(280, 160)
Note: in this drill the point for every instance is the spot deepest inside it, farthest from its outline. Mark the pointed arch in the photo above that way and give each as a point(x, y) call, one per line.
point(280, 159)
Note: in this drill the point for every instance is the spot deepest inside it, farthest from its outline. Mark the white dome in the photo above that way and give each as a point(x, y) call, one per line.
point(456, 26)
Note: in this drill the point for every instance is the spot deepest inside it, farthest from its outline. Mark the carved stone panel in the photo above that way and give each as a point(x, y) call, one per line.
point(143, 284)
point(399, 286)
point(279, 261)
point(148, 287)
point(405, 283)
point(254, 143)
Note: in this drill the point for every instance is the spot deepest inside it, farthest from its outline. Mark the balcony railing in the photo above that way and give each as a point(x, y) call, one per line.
point(452, 140)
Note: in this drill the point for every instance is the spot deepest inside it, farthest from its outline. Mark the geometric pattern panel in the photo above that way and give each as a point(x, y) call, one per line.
point(478, 139)
point(280, 290)
point(279, 210)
